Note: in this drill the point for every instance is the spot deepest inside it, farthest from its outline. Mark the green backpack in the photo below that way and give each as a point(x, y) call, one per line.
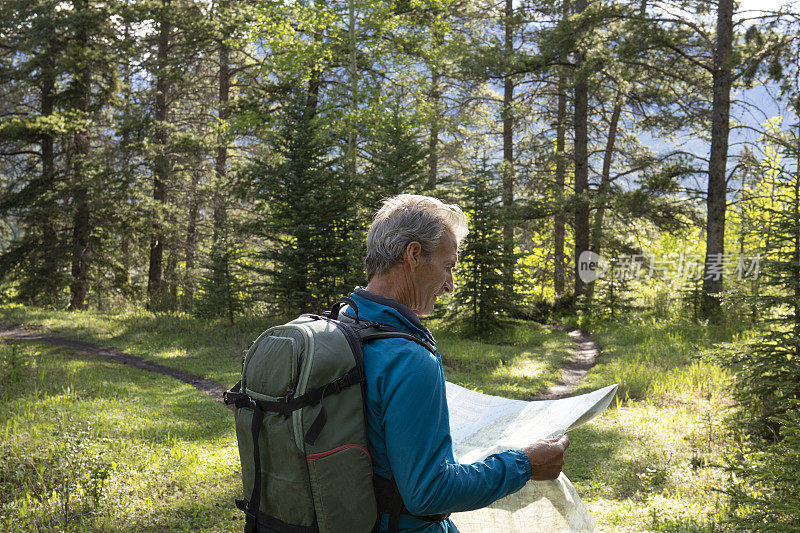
point(301, 423)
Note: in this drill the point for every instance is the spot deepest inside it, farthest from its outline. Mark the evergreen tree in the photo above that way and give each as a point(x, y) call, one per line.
point(64, 64)
point(396, 157)
point(479, 295)
point(767, 376)
point(306, 213)
point(222, 291)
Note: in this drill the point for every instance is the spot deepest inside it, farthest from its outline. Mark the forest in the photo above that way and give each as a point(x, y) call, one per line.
point(629, 168)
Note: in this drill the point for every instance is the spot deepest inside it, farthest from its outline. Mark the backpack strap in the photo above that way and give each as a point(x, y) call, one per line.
point(387, 494)
point(235, 396)
point(251, 512)
point(344, 300)
point(374, 330)
point(288, 404)
point(389, 501)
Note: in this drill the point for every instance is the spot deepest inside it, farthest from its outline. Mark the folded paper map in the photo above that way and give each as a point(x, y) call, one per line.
point(481, 425)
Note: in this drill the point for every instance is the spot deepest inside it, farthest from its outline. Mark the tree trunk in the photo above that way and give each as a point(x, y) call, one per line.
point(720, 128)
point(433, 140)
point(795, 272)
point(81, 220)
point(581, 126)
point(128, 238)
point(79, 287)
point(191, 241)
point(796, 239)
point(508, 158)
point(605, 183)
point(314, 83)
point(171, 279)
point(161, 163)
point(221, 163)
point(49, 236)
point(352, 71)
point(559, 260)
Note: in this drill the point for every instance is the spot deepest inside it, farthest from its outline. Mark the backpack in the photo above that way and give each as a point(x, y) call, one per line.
point(301, 423)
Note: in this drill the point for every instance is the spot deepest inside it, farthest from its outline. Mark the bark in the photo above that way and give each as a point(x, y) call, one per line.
point(796, 260)
point(191, 240)
point(314, 83)
point(49, 235)
point(559, 260)
point(508, 158)
point(126, 154)
point(221, 163)
point(81, 220)
point(161, 163)
point(79, 287)
point(605, 183)
point(720, 128)
point(433, 140)
point(171, 279)
point(581, 125)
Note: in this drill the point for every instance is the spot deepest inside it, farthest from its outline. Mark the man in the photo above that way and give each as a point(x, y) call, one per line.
point(412, 249)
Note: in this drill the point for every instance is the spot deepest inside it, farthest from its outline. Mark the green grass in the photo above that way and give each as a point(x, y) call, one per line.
point(211, 349)
point(89, 445)
point(652, 461)
point(92, 445)
point(518, 363)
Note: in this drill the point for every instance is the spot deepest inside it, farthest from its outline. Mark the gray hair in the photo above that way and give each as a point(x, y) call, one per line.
point(406, 218)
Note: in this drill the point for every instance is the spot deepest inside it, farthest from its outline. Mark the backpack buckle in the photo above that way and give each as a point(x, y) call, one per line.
point(337, 385)
point(283, 405)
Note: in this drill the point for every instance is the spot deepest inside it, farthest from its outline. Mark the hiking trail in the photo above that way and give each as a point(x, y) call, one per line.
point(208, 387)
point(573, 372)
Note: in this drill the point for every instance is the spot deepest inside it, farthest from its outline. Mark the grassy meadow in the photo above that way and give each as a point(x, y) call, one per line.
point(90, 445)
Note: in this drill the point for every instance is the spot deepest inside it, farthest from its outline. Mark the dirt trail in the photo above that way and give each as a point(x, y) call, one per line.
point(586, 352)
point(211, 388)
point(572, 373)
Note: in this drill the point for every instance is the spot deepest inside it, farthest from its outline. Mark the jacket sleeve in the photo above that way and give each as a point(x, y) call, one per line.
point(419, 448)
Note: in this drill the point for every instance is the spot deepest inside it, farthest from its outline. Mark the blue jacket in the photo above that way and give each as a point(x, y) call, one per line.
point(409, 427)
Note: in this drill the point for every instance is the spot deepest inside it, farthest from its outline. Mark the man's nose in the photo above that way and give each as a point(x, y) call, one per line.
point(448, 283)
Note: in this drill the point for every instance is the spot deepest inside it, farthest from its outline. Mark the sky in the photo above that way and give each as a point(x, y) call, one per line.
point(751, 107)
point(769, 5)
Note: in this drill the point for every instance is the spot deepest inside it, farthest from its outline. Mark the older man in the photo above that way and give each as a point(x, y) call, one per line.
point(412, 249)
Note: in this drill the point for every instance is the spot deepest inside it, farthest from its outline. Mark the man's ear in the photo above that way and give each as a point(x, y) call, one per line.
point(413, 255)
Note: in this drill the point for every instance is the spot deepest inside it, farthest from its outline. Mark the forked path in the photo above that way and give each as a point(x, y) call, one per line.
point(573, 372)
point(211, 388)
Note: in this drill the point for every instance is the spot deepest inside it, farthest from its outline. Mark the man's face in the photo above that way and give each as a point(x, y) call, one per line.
point(435, 276)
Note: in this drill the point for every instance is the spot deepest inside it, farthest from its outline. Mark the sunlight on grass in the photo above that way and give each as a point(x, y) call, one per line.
point(651, 462)
point(92, 445)
point(520, 362)
point(211, 349)
point(167, 455)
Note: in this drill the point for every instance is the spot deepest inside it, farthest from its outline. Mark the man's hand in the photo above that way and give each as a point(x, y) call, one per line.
point(547, 457)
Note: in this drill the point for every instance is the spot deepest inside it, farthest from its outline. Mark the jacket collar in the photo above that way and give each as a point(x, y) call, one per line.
point(397, 313)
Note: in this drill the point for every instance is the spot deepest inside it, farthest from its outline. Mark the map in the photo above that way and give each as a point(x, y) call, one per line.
point(481, 425)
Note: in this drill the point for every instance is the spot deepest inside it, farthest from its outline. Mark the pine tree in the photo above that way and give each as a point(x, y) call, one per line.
point(767, 374)
point(306, 213)
point(479, 295)
point(397, 157)
point(63, 63)
point(222, 286)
